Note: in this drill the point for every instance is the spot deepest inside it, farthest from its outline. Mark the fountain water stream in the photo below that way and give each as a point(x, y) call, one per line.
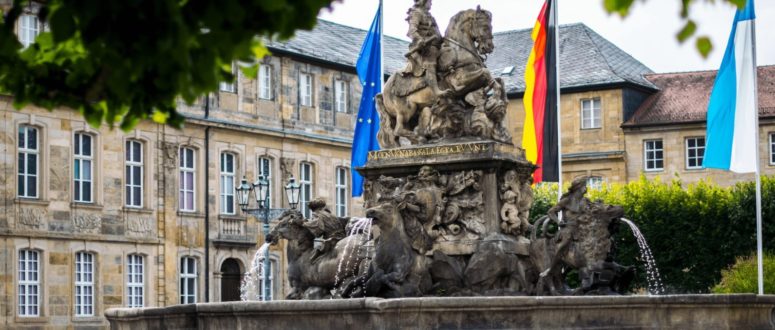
point(361, 226)
point(652, 272)
point(250, 290)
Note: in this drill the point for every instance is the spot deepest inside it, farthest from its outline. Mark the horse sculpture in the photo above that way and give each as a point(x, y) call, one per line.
point(408, 103)
point(311, 276)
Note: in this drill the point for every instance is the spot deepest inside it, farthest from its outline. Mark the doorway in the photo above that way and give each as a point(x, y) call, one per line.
point(231, 279)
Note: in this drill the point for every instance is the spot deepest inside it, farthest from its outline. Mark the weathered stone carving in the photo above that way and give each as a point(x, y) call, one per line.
point(87, 223)
point(139, 226)
point(31, 218)
point(445, 91)
point(170, 151)
point(287, 167)
point(516, 196)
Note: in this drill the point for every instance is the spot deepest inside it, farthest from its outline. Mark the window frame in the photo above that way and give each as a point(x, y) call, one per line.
point(230, 87)
point(80, 284)
point(306, 184)
point(341, 187)
point(593, 112)
point(261, 171)
point(265, 82)
point(188, 280)
point(305, 89)
point(646, 154)
point(135, 267)
point(595, 182)
point(24, 152)
point(224, 195)
point(23, 273)
point(131, 163)
point(772, 147)
point(79, 158)
point(699, 159)
point(183, 171)
point(28, 30)
point(341, 88)
point(260, 271)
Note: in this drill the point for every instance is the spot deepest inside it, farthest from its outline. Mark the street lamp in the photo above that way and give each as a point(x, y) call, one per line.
point(261, 188)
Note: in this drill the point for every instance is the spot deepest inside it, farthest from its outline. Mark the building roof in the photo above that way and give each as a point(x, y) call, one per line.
point(586, 58)
point(683, 97)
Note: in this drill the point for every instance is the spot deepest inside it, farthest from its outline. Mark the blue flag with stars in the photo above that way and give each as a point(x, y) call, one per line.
point(369, 67)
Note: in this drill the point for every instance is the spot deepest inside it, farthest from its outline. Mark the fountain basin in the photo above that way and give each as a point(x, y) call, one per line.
point(738, 311)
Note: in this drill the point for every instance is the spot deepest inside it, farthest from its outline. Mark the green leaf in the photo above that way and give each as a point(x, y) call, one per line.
point(62, 24)
point(687, 31)
point(621, 7)
point(704, 46)
point(250, 71)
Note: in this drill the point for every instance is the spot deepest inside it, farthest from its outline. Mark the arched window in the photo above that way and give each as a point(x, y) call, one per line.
point(83, 162)
point(84, 284)
point(135, 280)
point(228, 172)
point(341, 191)
point(187, 184)
point(29, 161)
point(305, 180)
point(261, 288)
point(265, 169)
point(188, 280)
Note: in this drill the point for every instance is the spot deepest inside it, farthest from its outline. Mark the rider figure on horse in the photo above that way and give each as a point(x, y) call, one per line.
point(423, 52)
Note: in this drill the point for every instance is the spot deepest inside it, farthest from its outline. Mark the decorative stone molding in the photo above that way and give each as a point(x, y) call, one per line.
point(87, 223)
point(31, 218)
point(138, 226)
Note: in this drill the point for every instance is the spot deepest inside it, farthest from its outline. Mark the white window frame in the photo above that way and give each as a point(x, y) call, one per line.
point(653, 151)
point(227, 183)
point(187, 156)
point(230, 87)
point(83, 176)
point(84, 284)
point(341, 87)
point(772, 148)
point(28, 29)
point(307, 184)
point(265, 169)
point(188, 280)
point(29, 274)
point(265, 82)
point(341, 191)
point(135, 280)
point(305, 89)
point(272, 267)
point(591, 116)
point(132, 183)
point(595, 182)
point(26, 151)
point(698, 158)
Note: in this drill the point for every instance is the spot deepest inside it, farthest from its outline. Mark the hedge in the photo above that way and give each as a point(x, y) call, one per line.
point(694, 231)
point(742, 276)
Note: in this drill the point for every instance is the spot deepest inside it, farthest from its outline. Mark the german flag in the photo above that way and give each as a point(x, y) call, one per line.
point(540, 136)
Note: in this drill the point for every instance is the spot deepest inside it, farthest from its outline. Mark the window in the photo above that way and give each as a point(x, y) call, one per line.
point(82, 167)
point(227, 183)
point(772, 148)
point(134, 173)
point(84, 284)
point(305, 180)
point(653, 156)
point(186, 194)
point(29, 28)
point(595, 182)
point(590, 113)
point(187, 280)
point(135, 281)
point(29, 283)
point(341, 95)
point(27, 180)
point(265, 169)
point(265, 82)
point(230, 87)
point(695, 152)
point(261, 290)
point(305, 89)
point(341, 192)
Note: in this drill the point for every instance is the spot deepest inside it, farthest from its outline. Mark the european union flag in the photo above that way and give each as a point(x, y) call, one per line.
point(369, 69)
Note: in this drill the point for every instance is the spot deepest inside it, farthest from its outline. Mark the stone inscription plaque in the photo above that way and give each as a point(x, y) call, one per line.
point(467, 148)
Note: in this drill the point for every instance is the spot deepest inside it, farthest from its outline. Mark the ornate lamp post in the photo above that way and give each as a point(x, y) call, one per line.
point(261, 188)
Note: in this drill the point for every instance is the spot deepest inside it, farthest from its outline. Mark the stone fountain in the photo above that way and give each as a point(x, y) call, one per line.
point(449, 197)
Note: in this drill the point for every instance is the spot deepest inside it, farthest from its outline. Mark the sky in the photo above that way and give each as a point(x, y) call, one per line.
point(648, 33)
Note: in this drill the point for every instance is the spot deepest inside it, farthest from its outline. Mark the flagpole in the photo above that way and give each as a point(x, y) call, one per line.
point(559, 112)
point(381, 49)
point(759, 261)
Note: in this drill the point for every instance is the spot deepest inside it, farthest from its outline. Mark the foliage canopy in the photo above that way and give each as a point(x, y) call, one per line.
point(119, 62)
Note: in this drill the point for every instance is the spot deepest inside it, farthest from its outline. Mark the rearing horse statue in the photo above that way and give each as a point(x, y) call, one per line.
point(460, 67)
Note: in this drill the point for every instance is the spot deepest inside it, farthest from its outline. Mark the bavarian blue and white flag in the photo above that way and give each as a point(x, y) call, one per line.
point(732, 108)
point(369, 68)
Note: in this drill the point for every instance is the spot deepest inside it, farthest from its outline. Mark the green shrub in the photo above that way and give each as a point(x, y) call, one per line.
point(742, 276)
